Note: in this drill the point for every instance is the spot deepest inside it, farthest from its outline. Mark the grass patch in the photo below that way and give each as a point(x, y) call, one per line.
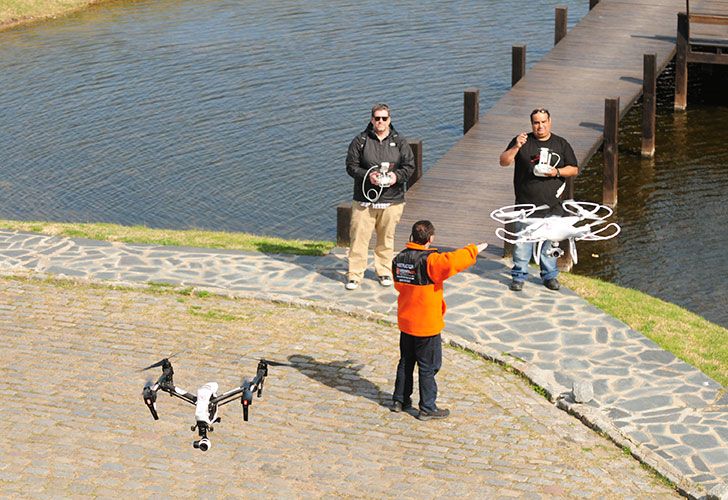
point(675, 329)
point(16, 11)
point(169, 237)
point(216, 314)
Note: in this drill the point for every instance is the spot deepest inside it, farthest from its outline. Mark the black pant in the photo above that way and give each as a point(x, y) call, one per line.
point(427, 353)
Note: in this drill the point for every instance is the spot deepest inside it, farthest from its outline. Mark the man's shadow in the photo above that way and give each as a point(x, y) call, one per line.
point(341, 375)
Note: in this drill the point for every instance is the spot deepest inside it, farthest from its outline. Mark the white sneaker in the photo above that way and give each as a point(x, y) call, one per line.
point(352, 285)
point(385, 280)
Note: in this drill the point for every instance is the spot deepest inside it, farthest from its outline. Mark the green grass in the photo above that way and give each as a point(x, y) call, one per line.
point(18, 11)
point(688, 336)
point(168, 237)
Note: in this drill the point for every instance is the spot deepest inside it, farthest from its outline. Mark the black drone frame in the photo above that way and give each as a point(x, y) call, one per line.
point(166, 384)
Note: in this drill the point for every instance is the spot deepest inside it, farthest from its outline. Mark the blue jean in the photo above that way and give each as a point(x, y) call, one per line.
point(522, 253)
point(426, 352)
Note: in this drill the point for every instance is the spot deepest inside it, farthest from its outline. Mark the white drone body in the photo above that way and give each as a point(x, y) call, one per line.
point(586, 221)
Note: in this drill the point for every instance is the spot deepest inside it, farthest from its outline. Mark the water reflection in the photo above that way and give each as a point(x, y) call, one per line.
point(672, 208)
point(236, 115)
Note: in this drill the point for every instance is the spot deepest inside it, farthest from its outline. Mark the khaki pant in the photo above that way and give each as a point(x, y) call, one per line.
point(363, 221)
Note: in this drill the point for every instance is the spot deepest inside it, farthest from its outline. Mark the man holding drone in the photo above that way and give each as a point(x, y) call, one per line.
point(542, 162)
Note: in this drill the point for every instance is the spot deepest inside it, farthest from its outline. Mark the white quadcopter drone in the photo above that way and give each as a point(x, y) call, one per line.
point(585, 222)
point(206, 401)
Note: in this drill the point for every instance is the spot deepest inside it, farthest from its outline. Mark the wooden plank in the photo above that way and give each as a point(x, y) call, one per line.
point(602, 56)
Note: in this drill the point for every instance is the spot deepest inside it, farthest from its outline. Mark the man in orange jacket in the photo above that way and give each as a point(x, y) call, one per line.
point(419, 272)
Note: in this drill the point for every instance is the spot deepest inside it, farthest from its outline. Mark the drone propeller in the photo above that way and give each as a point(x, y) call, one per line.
point(587, 209)
point(275, 363)
point(513, 213)
point(160, 362)
point(268, 362)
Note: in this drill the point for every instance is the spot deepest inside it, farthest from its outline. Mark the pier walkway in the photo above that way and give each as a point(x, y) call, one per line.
point(601, 57)
point(667, 413)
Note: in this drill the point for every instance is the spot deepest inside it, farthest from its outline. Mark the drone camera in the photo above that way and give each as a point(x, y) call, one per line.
point(203, 444)
point(555, 252)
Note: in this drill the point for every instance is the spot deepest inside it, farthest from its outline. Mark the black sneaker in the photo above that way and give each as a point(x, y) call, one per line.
point(516, 286)
point(398, 407)
point(428, 415)
point(552, 284)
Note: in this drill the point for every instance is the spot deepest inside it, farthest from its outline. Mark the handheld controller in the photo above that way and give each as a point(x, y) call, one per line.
point(385, 180)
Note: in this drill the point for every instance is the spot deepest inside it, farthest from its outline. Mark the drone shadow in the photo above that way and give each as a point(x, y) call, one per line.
point(341, 375)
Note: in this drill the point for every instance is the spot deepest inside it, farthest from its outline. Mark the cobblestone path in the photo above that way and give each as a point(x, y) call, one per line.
point(76, 425)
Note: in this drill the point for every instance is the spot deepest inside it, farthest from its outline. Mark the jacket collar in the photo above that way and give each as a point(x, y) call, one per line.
point(416, 246)
point(370, 131)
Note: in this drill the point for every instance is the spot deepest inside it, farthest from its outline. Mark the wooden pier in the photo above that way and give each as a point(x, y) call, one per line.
point(602, 57)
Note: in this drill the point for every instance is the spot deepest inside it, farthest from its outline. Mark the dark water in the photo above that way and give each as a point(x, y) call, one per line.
point(236, 115)
point(673, 209)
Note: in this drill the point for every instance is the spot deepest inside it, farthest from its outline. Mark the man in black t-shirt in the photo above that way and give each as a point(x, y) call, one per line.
point(538, 184)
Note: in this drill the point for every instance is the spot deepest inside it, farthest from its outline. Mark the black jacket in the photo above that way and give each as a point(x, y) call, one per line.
point(366, 151)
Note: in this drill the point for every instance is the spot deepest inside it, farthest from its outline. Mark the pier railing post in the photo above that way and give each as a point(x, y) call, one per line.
point(649, 104)
point(611, 151)
point(471, 109)
point(562, 14)
point(593, 3)
point(681, 61)
point(343, 222)
point(518, 63)
point(416, 145)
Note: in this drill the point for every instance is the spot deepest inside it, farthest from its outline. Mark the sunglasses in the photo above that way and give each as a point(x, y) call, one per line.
point(381, 118)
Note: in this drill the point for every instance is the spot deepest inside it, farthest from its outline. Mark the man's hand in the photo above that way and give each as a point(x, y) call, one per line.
point(481, 246)
point(521, 139)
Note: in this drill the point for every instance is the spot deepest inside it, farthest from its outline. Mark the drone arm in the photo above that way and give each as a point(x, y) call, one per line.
point(227, 397)
point(248, 387)
point(180, 393)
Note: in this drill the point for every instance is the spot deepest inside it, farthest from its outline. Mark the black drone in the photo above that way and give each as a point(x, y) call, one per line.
point(207, 400)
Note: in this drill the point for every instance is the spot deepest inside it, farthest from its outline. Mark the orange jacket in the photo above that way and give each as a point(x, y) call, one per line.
point(421, 308)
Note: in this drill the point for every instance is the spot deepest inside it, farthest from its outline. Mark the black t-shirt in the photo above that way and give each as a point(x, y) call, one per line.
point(540, 190)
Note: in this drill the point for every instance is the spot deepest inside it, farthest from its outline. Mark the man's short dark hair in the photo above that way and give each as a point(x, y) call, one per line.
point(380, 107)
point(422, 230)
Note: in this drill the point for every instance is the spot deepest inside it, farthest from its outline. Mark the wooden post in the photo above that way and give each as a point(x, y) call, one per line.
point(560, 27)
point(611, 151)
point(593, 3)
point(681, 61)
point(518, 63)
point(416, 145)
point(343, 222)
point(471, 109)
point(649, 104)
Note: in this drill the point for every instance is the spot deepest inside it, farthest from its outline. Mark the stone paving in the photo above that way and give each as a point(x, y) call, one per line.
point(78, 427)
point(670, 415)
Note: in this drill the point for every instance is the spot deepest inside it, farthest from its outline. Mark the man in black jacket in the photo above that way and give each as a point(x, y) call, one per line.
point(381, 162)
